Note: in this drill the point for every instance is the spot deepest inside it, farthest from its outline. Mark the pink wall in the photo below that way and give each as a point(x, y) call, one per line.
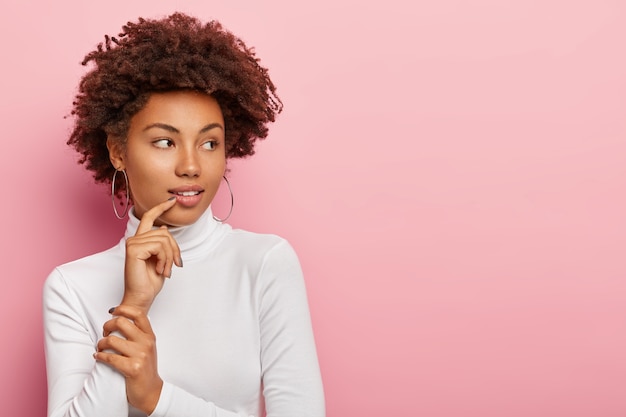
point(452, 174)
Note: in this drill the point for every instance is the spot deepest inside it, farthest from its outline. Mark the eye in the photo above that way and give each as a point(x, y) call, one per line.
point(163, 143)
point(210, 145)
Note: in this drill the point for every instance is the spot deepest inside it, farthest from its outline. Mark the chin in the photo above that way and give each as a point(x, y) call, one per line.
point(180, 219)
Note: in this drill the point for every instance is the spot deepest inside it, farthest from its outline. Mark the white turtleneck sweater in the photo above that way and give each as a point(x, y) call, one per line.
point(232, 326)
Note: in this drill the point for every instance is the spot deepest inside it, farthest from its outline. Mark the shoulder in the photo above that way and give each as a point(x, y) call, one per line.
point(102, 259)
point(268, 254)
point(264, 245)
point(88, 268)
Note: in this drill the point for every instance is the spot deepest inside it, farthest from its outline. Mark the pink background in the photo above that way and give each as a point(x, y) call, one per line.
point(451, 173)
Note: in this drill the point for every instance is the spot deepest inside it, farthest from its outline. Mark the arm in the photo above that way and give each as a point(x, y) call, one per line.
point(291, 376)
point(129, 343)
point(77, 385)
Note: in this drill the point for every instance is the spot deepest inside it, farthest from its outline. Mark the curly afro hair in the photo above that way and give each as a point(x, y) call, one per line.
point(175, 53)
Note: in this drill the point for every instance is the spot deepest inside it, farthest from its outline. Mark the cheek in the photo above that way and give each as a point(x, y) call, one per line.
point(216, 177)
point(135, 179)
point(216, 166)
point(145, 167)
point(142, 179)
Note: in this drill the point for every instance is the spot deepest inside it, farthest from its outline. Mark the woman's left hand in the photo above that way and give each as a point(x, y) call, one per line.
point(134, 357)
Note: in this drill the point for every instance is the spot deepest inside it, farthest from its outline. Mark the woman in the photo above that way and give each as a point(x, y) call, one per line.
point(158, 115)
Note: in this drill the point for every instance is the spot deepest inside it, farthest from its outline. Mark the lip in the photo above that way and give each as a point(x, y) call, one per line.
point(187, 200)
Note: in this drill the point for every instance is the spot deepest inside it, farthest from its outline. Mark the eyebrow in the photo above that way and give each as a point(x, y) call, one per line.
point(172, 129)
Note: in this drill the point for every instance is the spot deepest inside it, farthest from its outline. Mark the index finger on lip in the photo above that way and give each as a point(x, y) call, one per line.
point(150, 216)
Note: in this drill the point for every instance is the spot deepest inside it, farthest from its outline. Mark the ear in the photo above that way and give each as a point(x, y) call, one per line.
point(116, 152)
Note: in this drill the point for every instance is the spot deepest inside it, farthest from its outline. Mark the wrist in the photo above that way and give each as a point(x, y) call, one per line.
point(152, 399)
point(138, 303)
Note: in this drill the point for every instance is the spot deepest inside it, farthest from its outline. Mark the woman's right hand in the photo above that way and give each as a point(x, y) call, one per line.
point(150, 255)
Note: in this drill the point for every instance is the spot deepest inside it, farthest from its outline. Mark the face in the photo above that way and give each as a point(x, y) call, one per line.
point(175, 147)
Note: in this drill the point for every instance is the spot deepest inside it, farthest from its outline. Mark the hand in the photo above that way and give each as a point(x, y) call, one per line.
point(134, 357)
point(150, 255)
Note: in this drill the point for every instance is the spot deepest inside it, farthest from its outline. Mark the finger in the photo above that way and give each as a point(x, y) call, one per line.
point(136, 315)
point(149, 217)
point(176, 249)
point(129, 366)
point(162, 235)
point(165, 262)
point(113, 343)
point(125, 326)
point(145, 247)
point(119, 362)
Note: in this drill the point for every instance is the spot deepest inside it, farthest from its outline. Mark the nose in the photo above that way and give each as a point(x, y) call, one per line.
point(188, 164)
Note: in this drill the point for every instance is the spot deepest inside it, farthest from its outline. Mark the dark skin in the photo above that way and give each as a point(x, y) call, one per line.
point(174, 147)
point(150, 255)
point(165, 55)
point(175, 53)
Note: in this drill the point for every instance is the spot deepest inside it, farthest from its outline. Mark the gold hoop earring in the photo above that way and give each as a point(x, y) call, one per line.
point(113, 195)
point(232, 203)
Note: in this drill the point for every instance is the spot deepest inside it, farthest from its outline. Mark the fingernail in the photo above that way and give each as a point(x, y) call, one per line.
point(171, 198)
point(111, 310)
point(180, 261)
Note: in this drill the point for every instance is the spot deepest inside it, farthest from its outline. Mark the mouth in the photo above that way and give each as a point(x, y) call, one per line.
point(186, 193)
point(187, 196)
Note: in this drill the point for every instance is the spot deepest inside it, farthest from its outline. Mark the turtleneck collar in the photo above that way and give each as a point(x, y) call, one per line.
point(193, 240)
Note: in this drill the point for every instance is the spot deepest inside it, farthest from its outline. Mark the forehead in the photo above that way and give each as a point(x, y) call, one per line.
point(180, 109)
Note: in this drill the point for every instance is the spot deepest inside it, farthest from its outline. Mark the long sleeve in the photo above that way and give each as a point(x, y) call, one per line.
point(81, 387)
point(77, 385)
point(291, 376)
point(234, 336)
point(291, 379)
point(175, 401)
